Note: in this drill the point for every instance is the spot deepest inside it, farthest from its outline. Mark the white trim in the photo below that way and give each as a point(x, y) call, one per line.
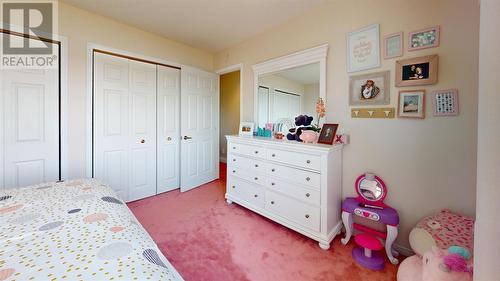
point(313, 55)
point(64, 106)
point(229, 69)
point(90, 48)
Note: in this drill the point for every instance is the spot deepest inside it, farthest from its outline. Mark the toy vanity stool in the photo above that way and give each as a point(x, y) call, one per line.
point(373, 221)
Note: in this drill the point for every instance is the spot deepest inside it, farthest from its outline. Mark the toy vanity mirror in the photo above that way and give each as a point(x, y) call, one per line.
point(371, 189)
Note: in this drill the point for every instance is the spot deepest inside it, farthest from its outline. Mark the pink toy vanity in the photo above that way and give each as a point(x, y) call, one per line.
point(373, 221)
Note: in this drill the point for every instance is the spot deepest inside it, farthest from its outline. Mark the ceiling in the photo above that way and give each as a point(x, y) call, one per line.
point(305, 75)
point(212, 25)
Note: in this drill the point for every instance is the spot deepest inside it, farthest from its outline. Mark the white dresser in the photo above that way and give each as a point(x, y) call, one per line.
point(295, 184)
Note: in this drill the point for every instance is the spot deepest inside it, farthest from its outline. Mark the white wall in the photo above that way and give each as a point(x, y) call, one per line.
point(82, 27)
point(487, 245)
point(427, 164)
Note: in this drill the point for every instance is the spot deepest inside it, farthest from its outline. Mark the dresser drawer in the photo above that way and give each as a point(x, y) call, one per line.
point(242, 173)
point(248, 150)
point(250, 164)
point(293, 158)
point(306, 195)
point(293, 210)
point(250, 193)
point(300, 177)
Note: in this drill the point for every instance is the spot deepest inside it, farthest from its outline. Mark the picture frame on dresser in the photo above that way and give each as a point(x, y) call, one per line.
point(328, 132)
point(246, 129)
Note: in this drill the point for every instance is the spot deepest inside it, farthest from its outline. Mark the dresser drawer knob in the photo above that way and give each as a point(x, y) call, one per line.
point(308, 161)
point(256, 196)
point(272, 170)
point(234, 147)
point(233, 186)
point(273, 155)
point(307, 216)
point(308, 179)
point(272, 183)
point(256, 178)
point(272, 202)
point(307, 194)
point(234, 160)
point(256, 165)
point(234, 171)
point(256, 152)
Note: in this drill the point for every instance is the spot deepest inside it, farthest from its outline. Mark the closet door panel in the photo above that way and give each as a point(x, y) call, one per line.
point(143, 130)
point(168, 103)
point(111, 129)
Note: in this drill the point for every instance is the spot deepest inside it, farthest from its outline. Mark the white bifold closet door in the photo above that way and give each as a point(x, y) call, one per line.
point(199, 127)
point(168, 138)
point(29, 126)
point(124, 131)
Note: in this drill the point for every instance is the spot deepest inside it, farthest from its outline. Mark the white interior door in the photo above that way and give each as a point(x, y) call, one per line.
point(125, 126)
point(199, 127)
point(143, 130)
point(168, 131)
point(29, 127)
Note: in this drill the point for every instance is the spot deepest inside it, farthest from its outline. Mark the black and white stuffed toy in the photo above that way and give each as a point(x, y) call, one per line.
point(303, 122)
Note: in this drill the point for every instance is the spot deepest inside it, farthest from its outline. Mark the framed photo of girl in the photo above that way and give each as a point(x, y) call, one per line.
point(328, 132)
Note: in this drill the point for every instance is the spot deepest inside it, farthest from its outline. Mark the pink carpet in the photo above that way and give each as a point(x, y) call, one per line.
point(206, 239)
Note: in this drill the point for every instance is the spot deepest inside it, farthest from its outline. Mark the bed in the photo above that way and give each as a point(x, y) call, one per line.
point(75, 230)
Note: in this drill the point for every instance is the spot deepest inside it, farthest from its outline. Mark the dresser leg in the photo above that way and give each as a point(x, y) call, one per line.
point(229, 202)
point(324, 246)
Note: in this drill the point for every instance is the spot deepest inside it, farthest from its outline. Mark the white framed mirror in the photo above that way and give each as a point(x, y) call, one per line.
point(289, 86)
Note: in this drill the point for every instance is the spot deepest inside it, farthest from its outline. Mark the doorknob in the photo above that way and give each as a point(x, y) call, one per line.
point(143, 141)
point(187, 138)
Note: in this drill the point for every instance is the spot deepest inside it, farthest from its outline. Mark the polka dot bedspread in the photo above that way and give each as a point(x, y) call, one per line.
point(75, 230)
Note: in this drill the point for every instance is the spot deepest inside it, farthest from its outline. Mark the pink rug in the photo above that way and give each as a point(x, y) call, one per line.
point(206, 239)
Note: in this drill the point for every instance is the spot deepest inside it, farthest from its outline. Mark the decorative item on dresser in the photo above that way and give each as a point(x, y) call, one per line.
point(297, 185)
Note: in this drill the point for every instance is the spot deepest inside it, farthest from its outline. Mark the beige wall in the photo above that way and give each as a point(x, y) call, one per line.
point(81, 28)
point(229, 108)
point(427, 164)
point(487, 245)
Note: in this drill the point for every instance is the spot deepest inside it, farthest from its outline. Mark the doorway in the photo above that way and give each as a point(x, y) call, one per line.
point(230, 90)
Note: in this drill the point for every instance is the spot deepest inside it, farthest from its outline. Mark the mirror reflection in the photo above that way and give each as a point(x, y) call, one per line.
point(285, 94)
point(370, 189)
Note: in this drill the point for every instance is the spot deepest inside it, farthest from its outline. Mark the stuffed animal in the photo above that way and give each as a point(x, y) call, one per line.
point(436, 265)
point(303, 122)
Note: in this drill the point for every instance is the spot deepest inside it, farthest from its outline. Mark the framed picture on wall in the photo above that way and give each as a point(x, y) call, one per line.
point(393, 45)
point(423, 38)
point(246, 129)
point(370, 89)
point(363, 48)
point(411, 104)
point(328, 132)
point(445, 102)
point(417, 71)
